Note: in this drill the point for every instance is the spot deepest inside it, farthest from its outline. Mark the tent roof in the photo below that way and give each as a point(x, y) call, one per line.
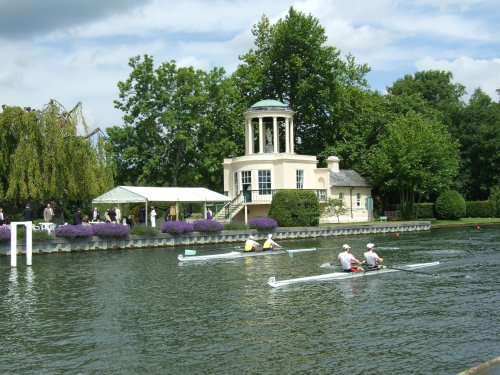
point(129, 194)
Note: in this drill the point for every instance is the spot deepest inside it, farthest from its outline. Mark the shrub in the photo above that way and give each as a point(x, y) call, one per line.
point(262, 223)
point(111, 230)
point(4, 233)
point(73, 231)
point(142, 230)
point(450, 206)
point(424, 210)
point(295, 208)
point(207, 225)
point(177, 227)
point(235, 226)
point(480, 209)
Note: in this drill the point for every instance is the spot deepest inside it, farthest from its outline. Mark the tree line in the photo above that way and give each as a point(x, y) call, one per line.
point(411, 143)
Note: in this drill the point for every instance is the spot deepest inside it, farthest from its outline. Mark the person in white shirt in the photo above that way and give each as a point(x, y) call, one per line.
point(2, 218)
point(372, 258)
point(152, 215)
point(346, 259)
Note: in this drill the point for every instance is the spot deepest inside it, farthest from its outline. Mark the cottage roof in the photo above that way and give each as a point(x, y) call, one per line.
point(347, 177)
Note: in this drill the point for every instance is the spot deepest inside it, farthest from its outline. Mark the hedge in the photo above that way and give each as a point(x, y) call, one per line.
point(480, 209)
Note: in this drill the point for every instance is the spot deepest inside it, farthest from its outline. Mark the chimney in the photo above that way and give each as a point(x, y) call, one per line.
point(333, 163)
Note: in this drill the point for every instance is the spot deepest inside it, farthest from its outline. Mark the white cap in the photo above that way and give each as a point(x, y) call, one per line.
point(370, 246)
point(269, 235)
point(346, 246)
point(251, 237)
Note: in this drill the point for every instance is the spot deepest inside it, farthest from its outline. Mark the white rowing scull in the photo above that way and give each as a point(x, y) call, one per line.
point(239, 254)
point(345, 275)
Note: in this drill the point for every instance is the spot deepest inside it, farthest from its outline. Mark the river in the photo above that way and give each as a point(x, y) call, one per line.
point(141, 312)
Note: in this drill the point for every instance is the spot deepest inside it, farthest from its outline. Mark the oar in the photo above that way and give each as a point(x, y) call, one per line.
point(407, 270)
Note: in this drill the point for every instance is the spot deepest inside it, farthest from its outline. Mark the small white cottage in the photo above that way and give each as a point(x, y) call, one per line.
point(270, 164)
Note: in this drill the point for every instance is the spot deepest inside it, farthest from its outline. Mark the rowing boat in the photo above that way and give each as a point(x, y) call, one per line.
point(346, 275)
point(239, 254)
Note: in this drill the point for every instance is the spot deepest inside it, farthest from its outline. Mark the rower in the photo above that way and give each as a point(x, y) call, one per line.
point(372, 258)
point(251, 244)
point(270, 244)
point(345, 258)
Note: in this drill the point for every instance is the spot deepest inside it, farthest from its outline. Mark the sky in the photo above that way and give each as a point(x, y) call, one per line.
point(78, 50)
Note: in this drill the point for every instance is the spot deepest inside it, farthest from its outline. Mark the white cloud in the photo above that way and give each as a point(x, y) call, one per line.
point(80, 56)
point(472, 73)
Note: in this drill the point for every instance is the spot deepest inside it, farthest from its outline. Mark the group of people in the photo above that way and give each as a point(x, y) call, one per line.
point(252, 245)
point(346, 259)
point(28, 215)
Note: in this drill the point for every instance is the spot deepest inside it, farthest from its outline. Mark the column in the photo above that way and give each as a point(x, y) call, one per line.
point(276, 148)
point(247, 137)
point(292, 143)
point(261, 136)
point(250, 137)
point(287, 135)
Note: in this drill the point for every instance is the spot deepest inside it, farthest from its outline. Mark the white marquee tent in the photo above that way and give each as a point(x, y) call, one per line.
point(144, 194)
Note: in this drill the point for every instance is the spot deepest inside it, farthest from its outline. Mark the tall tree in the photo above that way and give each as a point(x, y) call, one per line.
point(180, 123)
point(416, 156)
point(479, 135)
point(292, 63)
point(437, 89)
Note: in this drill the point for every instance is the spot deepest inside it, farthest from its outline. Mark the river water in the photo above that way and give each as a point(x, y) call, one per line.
point(141, 312)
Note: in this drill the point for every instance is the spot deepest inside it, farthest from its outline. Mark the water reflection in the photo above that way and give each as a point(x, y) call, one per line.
point(21, 295)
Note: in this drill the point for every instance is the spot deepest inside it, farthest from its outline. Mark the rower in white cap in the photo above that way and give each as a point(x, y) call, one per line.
point(251, 244)
point(372, 258)
point(346, 259)
point(270, 243)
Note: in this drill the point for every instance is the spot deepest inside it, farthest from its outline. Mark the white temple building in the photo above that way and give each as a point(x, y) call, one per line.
point(270, 164)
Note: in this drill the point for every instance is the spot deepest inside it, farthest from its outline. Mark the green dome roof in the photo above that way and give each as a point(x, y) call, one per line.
point(269, 103)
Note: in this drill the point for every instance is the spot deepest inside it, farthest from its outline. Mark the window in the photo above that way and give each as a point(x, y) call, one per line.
point(299, 177)
point(246, 177)
point(341, 196)
point(264, 182)
point(358, 199)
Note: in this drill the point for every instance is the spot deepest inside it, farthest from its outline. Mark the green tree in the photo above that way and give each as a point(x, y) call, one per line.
point(292, 63)
point(181, 121)
point(334, 207)
point(479, 135)
point(44, 158)
point(437, 89)
point(416, 156)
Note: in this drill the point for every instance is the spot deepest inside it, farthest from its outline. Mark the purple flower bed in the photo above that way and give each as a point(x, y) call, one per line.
point(177, 227)
point(207, 225)
point(113, 230)
point(73, 231)
point(4, 233)
point(262, 223)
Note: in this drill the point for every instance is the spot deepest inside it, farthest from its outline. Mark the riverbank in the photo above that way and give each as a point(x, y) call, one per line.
point(196, 238)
